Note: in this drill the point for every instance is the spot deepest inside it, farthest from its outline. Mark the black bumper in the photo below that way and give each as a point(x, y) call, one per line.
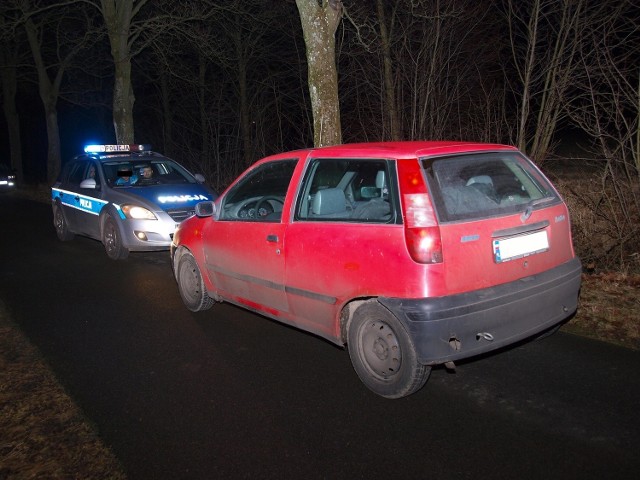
point(460, 326)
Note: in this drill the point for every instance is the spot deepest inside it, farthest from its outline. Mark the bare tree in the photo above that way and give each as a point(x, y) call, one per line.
point(56, 34)
point(320, 20)
point(9, 60)
point(546, 38)
point(419, 69)
point(119, 17)
point(389, 87)
point(605, 103)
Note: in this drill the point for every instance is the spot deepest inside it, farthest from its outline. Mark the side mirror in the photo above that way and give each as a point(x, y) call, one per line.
point(199, 178)
point(88, 183)
point(205, 209)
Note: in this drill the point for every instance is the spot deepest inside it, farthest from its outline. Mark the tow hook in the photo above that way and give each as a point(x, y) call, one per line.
point(484, 335)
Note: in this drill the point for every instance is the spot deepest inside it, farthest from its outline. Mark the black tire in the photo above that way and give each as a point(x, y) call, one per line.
point(112, 240)
point(62, 230)
point(191, 285)
point(383, 354)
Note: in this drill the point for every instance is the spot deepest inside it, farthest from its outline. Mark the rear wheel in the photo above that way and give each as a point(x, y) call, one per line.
point(112, 240)
point(191, 285)
point(62, 230)
point(383, 354)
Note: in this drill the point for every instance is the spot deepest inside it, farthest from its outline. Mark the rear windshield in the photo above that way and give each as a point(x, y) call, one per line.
point(474, 186)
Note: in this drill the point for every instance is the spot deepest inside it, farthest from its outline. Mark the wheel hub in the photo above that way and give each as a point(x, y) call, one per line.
point(381, 349)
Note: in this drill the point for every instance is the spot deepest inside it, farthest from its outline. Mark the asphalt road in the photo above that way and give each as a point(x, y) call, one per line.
point(229, 394)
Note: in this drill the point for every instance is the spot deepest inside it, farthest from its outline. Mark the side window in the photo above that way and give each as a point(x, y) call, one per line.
point(349, 190)
point(77, 173)
point(91, 172)
point(260, 195)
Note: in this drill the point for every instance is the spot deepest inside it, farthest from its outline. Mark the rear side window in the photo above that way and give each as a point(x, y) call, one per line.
point(473, 186)
point(347, 190)
point(78, 173)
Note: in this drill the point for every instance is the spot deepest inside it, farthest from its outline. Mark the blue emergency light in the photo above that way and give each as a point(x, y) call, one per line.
point(116, 148)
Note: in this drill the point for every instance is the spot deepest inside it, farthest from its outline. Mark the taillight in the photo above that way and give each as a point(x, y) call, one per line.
point(421, 230)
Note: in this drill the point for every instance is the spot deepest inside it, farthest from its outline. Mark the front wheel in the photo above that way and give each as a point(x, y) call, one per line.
point(383, 354)
point(112, 240)
point(191, 285)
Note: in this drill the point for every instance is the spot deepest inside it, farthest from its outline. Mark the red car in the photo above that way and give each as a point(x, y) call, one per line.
point(413, 254)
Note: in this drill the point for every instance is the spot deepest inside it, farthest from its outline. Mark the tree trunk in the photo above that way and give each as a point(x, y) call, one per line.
point(9, 89)
point(245, 117)
point(319, 25)
point(202, 103)
point(49, 96)
point(53, 138)
point(167, 114)
point(389, 89)
point(123, 100)
point(117, 16)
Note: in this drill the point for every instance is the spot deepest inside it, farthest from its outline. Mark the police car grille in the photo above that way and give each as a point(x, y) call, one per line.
point(180, 214)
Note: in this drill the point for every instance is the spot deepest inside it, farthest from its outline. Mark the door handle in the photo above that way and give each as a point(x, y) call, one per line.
point(272, 238)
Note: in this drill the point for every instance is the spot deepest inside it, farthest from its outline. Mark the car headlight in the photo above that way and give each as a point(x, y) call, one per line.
point(138, 213)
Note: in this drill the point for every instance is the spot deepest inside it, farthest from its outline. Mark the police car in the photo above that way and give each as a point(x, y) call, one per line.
point(126, 196)
point(7, 177)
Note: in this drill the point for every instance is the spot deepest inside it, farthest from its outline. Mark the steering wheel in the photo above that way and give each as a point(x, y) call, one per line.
point(264, 211)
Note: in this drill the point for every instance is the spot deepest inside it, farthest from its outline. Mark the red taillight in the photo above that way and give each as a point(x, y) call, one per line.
point(421, 231)
point(424, 244)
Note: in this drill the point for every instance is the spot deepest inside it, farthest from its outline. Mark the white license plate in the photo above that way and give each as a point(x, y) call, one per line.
point(506, 249)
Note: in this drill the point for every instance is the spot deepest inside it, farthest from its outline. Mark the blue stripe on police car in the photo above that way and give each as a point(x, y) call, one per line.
point(83, 203)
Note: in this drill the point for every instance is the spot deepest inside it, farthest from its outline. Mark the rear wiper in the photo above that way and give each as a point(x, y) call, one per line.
point(534, 203)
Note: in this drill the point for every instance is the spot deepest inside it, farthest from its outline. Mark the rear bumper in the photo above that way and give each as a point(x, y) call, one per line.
point(460, 326)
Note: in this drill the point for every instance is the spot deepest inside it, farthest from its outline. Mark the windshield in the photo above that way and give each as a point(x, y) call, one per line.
point(139, 173)
point(473, 186)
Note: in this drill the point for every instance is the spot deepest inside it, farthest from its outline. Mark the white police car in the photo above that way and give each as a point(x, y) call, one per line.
point(126, 196)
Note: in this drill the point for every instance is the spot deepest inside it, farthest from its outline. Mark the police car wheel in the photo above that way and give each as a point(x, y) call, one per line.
point(191, 285)
point(62, 231)
point(112, 240)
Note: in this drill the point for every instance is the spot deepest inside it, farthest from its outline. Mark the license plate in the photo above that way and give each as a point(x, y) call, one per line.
point(505, 249)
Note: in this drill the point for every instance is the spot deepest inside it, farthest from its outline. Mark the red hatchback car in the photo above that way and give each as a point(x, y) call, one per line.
point(412, 254)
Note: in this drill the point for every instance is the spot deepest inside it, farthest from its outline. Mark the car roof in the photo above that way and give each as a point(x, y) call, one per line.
point(400, 150)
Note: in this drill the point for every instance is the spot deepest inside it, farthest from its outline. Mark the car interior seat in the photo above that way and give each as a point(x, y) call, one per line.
point(329, 202)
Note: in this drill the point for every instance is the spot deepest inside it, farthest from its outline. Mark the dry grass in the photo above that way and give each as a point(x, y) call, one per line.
point(609, 309)
point(43, 434)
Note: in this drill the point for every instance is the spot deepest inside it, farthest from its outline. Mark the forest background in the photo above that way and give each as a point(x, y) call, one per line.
point(219, 84)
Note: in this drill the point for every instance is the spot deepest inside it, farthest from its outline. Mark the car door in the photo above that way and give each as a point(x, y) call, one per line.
point(343, 245)
point(244, 247)
point(90, 200)
point(67, 194)
point(81, 198)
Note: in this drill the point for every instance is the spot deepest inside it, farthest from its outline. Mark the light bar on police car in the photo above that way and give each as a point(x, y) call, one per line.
point(116, 148)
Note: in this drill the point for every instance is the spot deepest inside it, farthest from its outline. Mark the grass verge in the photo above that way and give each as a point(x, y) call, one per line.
point(43, 434)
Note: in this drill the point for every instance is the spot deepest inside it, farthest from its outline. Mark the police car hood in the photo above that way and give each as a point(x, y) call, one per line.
point(167, 197)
